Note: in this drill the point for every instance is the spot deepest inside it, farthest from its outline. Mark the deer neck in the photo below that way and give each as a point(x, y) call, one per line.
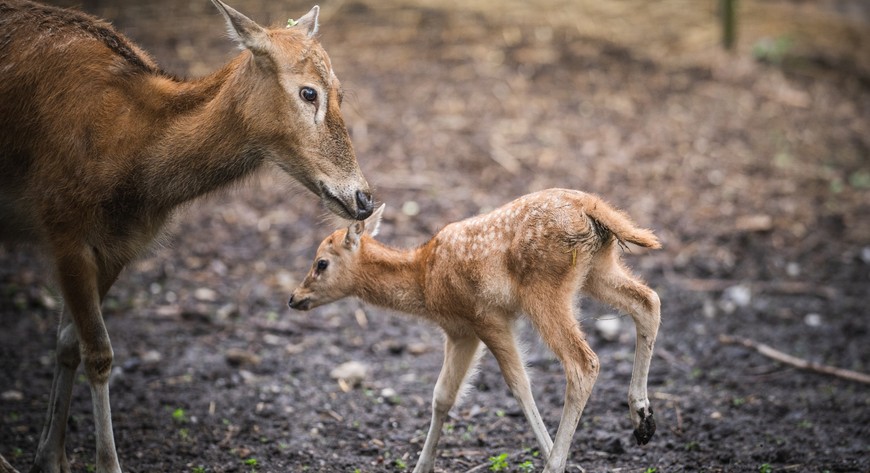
point(202, 145)
point(391, 278)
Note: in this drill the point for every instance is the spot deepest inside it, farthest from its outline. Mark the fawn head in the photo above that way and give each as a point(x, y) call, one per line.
point(335, 265)
point(292, 107)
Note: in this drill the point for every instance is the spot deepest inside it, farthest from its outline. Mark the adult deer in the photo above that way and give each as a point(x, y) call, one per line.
point(98, 146)
point(475, 277)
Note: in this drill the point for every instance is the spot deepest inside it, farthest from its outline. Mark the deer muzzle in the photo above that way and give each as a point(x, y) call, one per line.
point(356, 205)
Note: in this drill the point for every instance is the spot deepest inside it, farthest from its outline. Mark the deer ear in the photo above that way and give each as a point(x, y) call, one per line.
point(354, 232)
point(308, 21)
point(245, 31)
point(373, 223)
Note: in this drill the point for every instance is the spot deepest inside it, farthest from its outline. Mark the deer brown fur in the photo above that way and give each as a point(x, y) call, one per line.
point(474, 278)
point(98, 147)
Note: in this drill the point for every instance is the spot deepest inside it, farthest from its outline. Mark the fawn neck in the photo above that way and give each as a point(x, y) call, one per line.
point(390, 277)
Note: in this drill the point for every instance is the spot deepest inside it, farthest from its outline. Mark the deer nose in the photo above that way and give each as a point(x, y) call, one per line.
point(365, 205)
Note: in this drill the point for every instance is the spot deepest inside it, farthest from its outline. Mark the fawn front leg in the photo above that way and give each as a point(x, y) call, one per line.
point(460, 353)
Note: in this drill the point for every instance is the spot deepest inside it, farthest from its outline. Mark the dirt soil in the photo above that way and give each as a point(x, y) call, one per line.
point(753, 168)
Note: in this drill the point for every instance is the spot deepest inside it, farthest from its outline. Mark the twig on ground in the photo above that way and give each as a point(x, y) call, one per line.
point(775, 287)
point(6, 467)
point(795, 361)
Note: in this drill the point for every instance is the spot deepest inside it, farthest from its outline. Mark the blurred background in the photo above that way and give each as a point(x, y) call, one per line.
point(751, 163)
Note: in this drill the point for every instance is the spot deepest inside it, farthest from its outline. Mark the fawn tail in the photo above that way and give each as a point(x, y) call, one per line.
point(618, 223)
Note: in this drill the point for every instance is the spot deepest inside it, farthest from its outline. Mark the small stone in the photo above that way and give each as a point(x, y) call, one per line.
point(609, 327)
point(417, 348)
point(205, 294)
point(865, 254)
point(274, 340)
point(813, 320)
point(709, 309)
point(238, 357)
point(351, 372)
point(12, 395)
point(740, 295)
point(793, 269)
point(151, 356)
point(248, 377)
point(47, 299)
point(410, 208)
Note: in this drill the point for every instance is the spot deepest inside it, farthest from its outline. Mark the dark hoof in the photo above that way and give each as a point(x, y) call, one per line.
point(644, 432)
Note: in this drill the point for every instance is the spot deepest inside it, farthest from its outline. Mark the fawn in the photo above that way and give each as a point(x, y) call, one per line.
point(476, 276)
point(99, 146)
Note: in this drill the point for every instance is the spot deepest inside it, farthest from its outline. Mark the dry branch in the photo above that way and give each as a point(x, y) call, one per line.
point(6, 467)
point(778, 287)
point(795, 361)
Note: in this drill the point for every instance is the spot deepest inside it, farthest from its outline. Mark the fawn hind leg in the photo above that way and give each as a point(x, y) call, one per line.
point(499, 337)
point(460, 354)
point(552, 314)
point(610, 282)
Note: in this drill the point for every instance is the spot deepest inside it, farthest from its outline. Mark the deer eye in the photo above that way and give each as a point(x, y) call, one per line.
point(322, 264)
point(308, 94)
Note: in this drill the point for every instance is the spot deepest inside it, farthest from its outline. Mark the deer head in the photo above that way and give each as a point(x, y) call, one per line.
point(292, 104)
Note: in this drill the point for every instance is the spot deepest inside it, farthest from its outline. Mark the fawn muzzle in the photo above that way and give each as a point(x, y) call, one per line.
point(299, 303)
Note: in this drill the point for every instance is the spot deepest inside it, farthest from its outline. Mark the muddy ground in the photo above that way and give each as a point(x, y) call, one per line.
point(753, 168)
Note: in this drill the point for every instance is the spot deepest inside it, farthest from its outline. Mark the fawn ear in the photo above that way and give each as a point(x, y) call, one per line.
point(370, 225)
point(373, 223)
point(308, 21)
point(354, 232)
point(245, 31)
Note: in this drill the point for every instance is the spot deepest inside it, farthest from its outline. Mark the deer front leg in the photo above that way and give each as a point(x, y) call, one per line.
point(460, 353)
point(84, 280)
point(51, 454)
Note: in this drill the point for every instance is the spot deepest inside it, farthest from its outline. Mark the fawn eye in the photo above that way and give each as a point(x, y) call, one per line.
point(322, 264)
point(308, 94)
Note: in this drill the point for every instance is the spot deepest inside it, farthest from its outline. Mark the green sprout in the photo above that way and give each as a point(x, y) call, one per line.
point(179, 416)
point(498, 463)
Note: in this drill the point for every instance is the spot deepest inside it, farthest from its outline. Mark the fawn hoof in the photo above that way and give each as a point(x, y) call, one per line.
point(647, 427)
